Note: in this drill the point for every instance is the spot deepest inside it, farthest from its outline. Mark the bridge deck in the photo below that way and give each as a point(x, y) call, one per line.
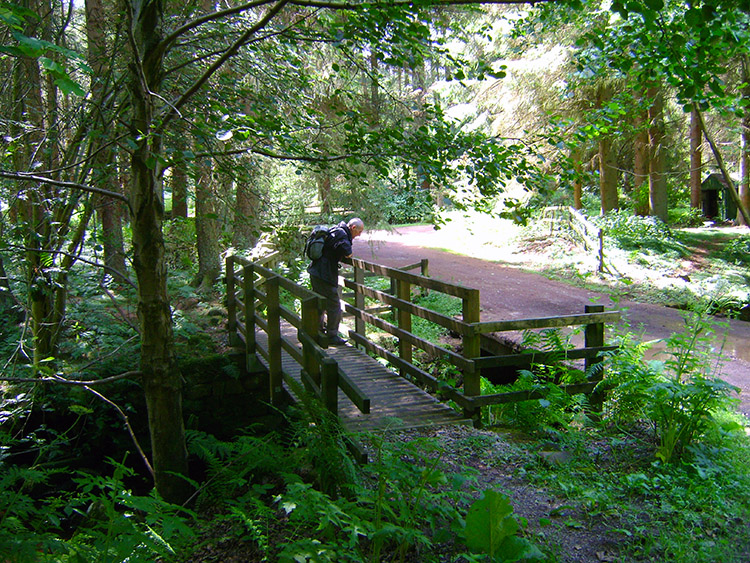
point(395, 403)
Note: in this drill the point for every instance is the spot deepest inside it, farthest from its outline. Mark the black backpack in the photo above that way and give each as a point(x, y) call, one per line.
point(315, 241)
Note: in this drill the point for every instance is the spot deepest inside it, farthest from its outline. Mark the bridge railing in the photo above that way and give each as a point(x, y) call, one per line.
point(254, 301)
point(470, 329)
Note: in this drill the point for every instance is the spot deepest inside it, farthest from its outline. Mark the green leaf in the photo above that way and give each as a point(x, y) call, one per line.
point(14, 16)
point(693, 17)
point(80, 410)
point(51, 66)
point(489, 522)
point(69, 86)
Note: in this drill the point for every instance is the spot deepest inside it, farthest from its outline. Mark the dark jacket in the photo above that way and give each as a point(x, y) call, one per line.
point(338, 245)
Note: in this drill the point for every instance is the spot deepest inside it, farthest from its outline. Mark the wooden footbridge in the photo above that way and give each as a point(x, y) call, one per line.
point(373, 384)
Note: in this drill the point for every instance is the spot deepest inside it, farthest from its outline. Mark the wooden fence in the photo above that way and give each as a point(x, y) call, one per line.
point(258, 298)
point(470, 329)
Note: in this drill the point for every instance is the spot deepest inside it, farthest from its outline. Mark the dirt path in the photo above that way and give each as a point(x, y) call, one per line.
point(510, 293)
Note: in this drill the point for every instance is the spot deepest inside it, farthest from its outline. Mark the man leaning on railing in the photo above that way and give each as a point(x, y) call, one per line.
point(324, 274)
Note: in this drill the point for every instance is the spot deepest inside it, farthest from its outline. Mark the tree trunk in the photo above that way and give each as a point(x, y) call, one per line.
point(179, 183)
point(696, 160)
point(744, 188)
point(247, 208)
point(374, 100)
point(161, 379)
point(608, 176)
point(104, 170)
point(576, 156)
point(324, 193)
point(34, 208)
point(657, 184)
point(206, 228)
point(641, 165)
point(607, 162)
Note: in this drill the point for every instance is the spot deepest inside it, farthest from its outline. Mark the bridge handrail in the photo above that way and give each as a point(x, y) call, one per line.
point(259, 285)
point(319, 371)
point(468, 327)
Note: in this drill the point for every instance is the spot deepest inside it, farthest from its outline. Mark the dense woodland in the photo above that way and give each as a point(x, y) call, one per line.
point(145, 140)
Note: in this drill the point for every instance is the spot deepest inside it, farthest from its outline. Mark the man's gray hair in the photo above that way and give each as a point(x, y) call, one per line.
point(356, 222)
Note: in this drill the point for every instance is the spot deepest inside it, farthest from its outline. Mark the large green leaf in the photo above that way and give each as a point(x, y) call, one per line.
point(491, 528)
point(489, 522)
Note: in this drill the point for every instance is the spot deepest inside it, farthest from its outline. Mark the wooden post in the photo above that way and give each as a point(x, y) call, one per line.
point(310, 326)
point(394, 292)
point(471, 350)
point(231, 302)
point(424, 268)
point(252, 364)
point(403, 292)
point(329, 372)
point(594, 337)
point(359, 301)
point(274, 339)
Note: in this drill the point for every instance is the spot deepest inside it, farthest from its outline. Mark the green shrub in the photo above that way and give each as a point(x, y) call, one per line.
point(678, 396)
point(686, 217)
point(93, 518)
point(555, 408)
point(631, 232)
point(403, 203)
point(737, 251)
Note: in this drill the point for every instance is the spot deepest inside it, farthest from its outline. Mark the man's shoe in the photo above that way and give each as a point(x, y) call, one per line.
point(336, 340)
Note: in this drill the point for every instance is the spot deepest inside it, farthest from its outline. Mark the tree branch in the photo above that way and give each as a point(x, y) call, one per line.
point(218, 63)
point(720, 161)
point(354, 6)
point(172, 37)
point(87, 385)
point(75, 382)
point(110, 269)
point(27, 177)
point(127, 425)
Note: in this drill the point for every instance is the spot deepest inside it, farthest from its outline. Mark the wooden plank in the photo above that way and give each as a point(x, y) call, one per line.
point(416, 279)
point(403, 320)
point(359, 300)
point(524, 359)
point(527, 395)
point(290, 316)
point(420, 375)
point(394, 403)
point(291, 348)
point(248, 307)
point(359, 398)
point(456, 325)
point(547, 322)
point(456, 359)
point(231, 301)
point(274, 340)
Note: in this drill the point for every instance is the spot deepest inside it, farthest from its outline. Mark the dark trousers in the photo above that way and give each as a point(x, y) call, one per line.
point(332, 295)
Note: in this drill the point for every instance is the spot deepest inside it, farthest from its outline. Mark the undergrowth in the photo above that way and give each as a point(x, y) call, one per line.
point(664, 466)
